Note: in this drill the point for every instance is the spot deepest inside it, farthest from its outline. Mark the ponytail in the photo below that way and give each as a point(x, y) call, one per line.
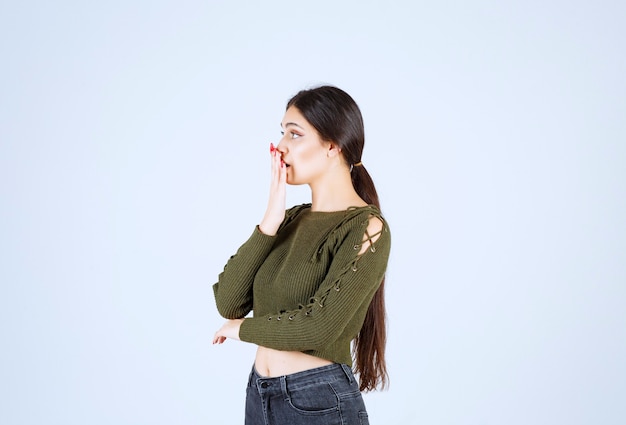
point(369, 345)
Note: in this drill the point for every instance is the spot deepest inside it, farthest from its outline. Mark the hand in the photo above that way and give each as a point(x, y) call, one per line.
point(275, 213)
point(230, 329)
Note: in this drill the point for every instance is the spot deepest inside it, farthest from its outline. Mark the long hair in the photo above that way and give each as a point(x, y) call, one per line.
point(337, 118)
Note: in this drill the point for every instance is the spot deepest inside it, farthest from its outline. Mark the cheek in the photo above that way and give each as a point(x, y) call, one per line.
point(304, 154)
point(308, 155)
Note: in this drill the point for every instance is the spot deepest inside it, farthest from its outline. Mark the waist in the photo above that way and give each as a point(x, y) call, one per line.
point(272, 363)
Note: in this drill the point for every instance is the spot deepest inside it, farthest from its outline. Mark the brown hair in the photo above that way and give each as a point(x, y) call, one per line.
point(337, 118)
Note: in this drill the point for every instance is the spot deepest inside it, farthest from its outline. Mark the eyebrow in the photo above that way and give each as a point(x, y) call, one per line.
point(292, 123)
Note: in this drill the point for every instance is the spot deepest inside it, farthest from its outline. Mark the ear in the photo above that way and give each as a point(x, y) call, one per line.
point(333, 150)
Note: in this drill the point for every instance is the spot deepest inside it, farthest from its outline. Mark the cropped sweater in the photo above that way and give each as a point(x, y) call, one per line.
point(308, 286)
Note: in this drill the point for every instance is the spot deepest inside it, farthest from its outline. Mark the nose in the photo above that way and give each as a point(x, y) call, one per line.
point(281, 147)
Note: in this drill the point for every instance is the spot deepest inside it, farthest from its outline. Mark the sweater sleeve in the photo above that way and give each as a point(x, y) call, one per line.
point(233, 290)
point(338, 306)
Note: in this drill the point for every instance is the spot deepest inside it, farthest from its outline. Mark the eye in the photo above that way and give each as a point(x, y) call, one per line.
point(292, 134)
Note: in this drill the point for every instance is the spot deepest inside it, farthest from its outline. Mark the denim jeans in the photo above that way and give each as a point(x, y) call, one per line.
point(327, 395)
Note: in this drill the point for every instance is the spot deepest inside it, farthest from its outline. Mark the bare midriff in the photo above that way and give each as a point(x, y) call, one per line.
point(273, 363)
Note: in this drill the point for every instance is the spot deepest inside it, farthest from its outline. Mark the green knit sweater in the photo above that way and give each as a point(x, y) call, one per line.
point(308, 286)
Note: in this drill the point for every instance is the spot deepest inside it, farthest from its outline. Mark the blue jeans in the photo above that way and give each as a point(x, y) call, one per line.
point(327, 395)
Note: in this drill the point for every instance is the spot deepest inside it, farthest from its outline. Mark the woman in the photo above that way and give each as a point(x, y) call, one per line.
point(313, 274)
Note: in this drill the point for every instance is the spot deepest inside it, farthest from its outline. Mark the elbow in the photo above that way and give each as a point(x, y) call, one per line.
point(231, 307)
point(230, 312)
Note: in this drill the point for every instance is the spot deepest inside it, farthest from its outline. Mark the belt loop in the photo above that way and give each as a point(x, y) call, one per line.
point(348, 372)
point(283, 387)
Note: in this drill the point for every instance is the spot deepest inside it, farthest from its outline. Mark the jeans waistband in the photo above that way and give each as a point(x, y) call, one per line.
point(305, 378)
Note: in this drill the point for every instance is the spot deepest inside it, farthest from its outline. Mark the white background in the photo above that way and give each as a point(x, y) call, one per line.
point(133, 163)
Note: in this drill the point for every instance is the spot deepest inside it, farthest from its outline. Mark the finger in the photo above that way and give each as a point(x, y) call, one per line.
point(277, 170)
point(282, 177)
point(275, 161)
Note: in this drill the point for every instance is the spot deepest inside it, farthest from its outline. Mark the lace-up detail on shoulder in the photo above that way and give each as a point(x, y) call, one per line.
point(376, 226)
point(335, 233)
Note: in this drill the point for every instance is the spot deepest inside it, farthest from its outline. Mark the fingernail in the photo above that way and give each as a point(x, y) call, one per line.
point(272, 148)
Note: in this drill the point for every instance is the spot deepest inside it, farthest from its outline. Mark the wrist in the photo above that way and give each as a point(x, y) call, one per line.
point(238, 328)
point(268, 228)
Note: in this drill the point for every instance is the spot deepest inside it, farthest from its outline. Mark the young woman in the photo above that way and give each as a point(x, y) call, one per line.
point(313, 275)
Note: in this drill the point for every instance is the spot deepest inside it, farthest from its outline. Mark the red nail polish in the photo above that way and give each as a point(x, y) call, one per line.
point(272, 148)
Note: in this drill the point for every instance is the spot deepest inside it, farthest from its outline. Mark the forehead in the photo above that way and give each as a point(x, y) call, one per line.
point(293, 117)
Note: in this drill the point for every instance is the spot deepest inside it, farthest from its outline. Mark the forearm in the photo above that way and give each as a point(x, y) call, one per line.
point(233, 291)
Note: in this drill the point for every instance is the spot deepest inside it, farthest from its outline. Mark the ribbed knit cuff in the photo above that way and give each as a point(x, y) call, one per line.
point(245, 334)
point(259, 240)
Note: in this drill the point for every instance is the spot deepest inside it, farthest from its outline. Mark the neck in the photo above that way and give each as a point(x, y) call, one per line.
point(334, 192)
